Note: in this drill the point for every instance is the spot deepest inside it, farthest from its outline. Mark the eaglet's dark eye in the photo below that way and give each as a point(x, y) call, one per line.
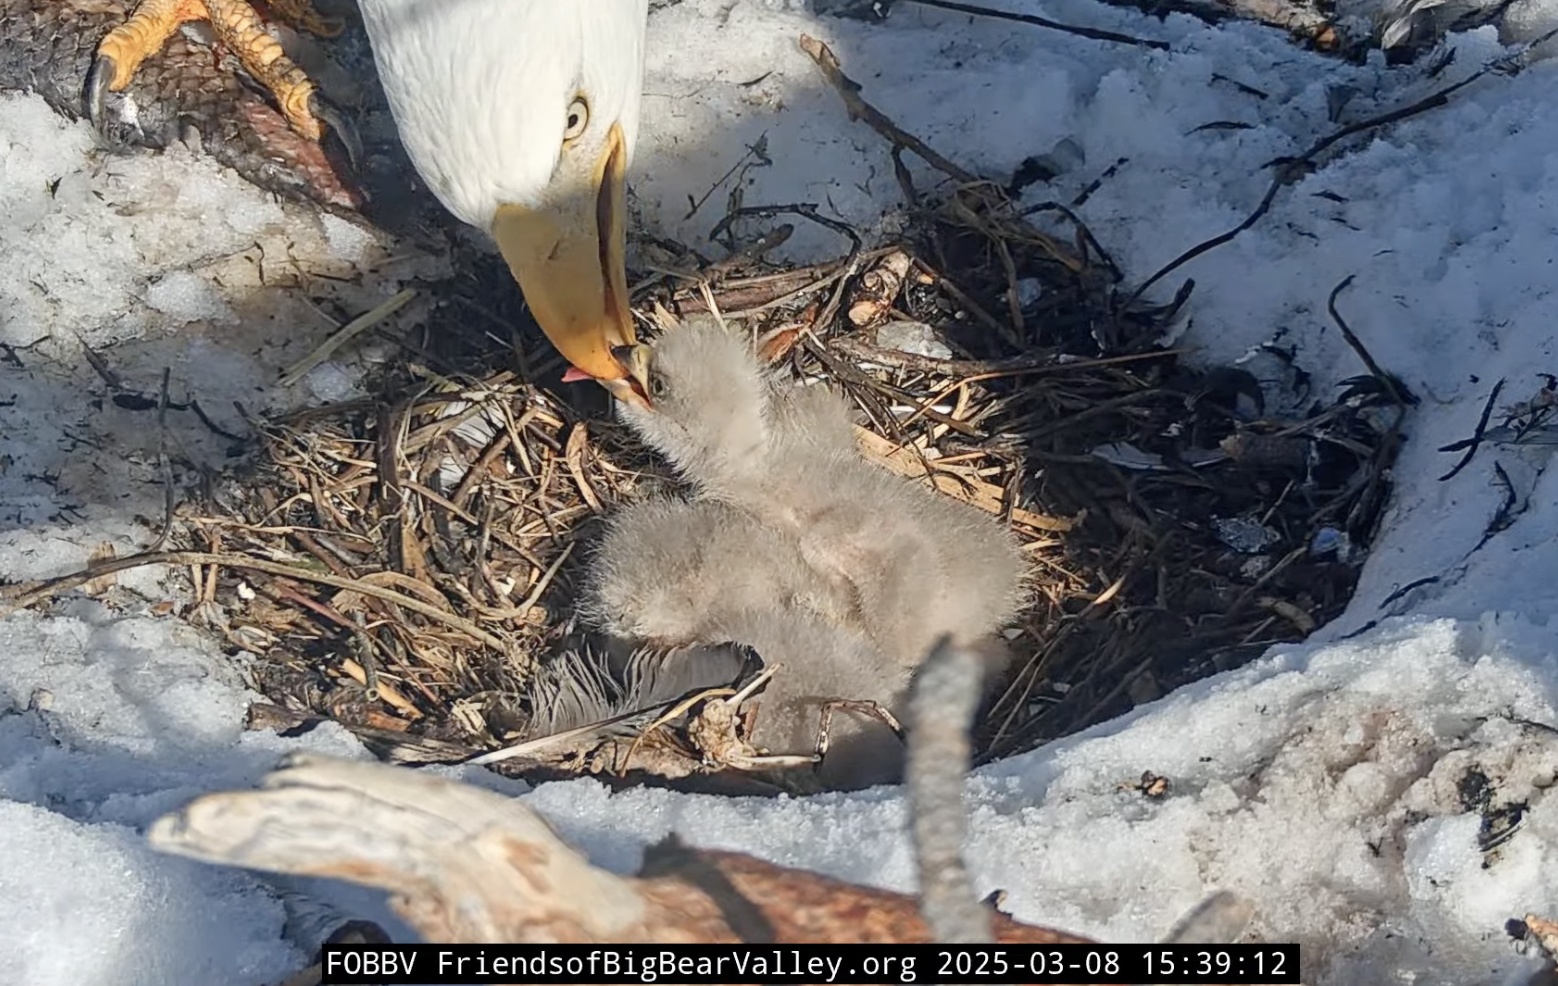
point(657, 386)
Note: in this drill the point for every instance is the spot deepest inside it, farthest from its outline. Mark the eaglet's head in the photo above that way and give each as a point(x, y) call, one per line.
point(709, 402)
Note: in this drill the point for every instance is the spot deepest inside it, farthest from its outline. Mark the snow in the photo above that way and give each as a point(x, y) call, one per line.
point(1323, 781)
point(184, 223)
point(108, 721)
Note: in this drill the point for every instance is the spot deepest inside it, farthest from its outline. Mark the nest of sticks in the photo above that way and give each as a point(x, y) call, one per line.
point(411, 558)
point(403, 564)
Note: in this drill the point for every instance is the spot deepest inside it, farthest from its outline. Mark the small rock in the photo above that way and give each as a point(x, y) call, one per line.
point(1330, 541)
point(915, 338)
point(1246, 536)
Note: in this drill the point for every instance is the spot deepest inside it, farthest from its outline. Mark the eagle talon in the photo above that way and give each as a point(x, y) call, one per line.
point(338, 125)
point(237, 28)
point(100, 80)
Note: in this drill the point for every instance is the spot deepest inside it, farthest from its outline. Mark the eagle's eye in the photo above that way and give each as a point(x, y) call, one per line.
point(578, 118)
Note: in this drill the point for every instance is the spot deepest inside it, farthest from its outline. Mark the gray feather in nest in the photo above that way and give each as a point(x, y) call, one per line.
point(605, 679)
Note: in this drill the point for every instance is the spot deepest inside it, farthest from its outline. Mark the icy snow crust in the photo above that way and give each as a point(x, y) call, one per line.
point(1321, 781)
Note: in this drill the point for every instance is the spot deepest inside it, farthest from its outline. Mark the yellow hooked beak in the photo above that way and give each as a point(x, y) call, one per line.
point(568, 258)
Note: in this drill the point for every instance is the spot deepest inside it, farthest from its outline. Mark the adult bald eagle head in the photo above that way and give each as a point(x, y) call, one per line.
point(521, 116)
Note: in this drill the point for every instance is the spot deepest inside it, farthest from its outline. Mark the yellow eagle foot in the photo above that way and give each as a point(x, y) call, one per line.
point(240, 29)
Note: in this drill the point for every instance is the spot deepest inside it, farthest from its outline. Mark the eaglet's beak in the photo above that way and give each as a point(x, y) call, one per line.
point(568, 257)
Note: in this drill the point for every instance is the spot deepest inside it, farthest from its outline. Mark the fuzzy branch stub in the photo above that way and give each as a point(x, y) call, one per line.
point(941, 713)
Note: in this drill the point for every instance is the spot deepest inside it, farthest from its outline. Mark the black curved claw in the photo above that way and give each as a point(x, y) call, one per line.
point(98, 79)
point(337, 123)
